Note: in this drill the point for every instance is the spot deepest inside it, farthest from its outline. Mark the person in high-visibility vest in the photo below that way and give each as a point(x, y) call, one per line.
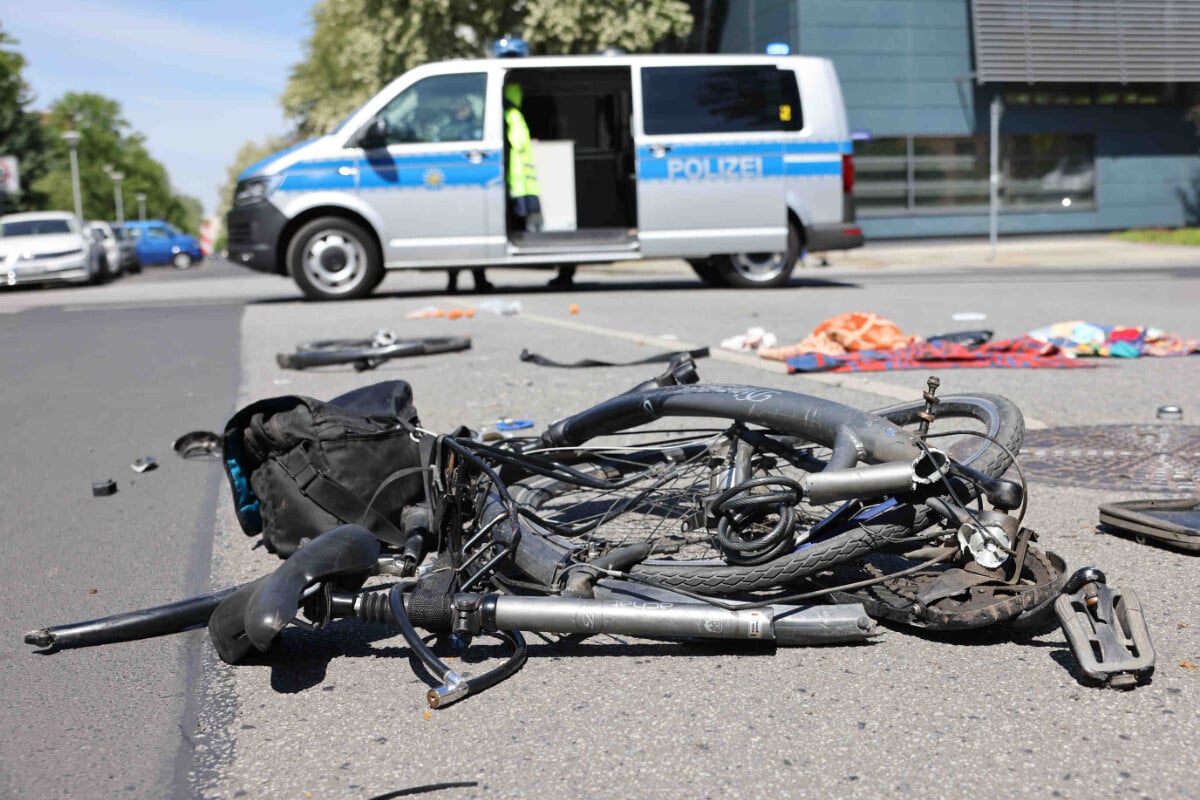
point(522, 171)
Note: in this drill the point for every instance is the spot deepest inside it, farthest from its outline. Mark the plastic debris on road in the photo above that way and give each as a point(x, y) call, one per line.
point(504, 308)
point(750, 341)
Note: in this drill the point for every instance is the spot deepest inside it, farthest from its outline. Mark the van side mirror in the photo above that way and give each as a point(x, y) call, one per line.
point(374, 135)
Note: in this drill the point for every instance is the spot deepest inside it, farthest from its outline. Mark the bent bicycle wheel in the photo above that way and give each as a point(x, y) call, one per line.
point(680, 491)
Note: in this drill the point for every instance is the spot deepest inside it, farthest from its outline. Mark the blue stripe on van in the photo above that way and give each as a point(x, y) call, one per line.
point(426, 171)
point(809, 168)
point(738, 161)
point(428, 176)
point(316, 176)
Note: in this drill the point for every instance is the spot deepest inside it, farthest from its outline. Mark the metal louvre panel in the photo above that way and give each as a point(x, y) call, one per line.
point(1092, 41)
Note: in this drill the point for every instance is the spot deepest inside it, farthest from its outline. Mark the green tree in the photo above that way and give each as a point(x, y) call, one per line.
point(21, 132)
point(564, 27)
point(357, 46)
point(107, 144)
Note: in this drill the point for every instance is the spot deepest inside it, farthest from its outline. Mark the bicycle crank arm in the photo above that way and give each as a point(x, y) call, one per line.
point(659, 619)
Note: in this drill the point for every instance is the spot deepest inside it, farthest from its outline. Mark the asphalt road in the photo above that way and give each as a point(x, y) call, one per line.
point(96, 377)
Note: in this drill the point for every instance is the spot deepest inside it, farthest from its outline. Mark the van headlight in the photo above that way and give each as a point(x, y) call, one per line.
point(255, 190)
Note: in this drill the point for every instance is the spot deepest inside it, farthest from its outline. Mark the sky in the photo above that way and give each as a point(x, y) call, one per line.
point(196, 77)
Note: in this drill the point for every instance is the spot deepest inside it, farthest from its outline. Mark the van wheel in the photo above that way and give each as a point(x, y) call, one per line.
point(707, 271)
point(181, 260)
point(334, 259)
point(749, 270)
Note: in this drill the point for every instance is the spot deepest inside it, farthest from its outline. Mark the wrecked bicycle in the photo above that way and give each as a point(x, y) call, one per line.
point(687, 511)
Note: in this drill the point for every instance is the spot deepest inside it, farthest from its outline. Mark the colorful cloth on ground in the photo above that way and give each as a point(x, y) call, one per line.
point(1025, 353)
point(1080, 338)
point(846, 333)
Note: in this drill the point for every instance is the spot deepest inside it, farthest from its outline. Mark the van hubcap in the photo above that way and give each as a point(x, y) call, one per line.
point(335, 261)
point(759, 266)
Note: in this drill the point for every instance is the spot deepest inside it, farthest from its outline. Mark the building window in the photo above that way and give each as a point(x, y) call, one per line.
point(949, 172)
point(932, 174)
point(881, 175)
point(1048, 171)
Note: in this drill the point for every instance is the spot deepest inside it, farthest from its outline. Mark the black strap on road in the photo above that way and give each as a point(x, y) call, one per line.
point(542, 361)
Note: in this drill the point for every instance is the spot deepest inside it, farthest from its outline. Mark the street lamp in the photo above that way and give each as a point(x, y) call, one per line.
point(141, 198)
point(117, 178)
point(72, 139)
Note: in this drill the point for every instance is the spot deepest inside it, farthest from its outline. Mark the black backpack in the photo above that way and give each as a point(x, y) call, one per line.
point(298, 467)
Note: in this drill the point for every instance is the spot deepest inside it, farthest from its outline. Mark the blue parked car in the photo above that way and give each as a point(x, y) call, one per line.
point(159, 243)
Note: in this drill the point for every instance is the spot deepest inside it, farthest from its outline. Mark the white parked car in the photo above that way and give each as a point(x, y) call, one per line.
point(43, 246)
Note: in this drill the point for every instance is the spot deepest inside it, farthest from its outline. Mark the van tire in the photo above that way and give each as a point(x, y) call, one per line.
point(760, 270)
point(331, 258)
point(181, 260)
point(707, 272)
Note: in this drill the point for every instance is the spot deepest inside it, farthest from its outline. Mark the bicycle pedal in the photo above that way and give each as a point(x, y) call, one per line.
point(1106, 629)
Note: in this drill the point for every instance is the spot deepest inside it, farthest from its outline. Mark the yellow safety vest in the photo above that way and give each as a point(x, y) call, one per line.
point(522, 171)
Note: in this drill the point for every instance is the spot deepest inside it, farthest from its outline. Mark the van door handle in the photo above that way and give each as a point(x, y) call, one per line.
point(347, 171)
point(474, 156)
point(659, 150)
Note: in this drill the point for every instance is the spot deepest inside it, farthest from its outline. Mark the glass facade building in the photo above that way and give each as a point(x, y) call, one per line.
point(1095, 132)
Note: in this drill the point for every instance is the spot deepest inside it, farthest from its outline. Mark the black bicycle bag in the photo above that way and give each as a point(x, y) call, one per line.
point(298, 466)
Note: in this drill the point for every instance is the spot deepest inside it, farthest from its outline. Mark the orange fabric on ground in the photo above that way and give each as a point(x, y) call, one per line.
point(845, 333)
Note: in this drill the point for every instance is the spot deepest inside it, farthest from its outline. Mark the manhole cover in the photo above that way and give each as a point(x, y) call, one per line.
point(1143, 458)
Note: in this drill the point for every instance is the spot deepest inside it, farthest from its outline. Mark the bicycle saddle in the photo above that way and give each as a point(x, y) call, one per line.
point(256, 614)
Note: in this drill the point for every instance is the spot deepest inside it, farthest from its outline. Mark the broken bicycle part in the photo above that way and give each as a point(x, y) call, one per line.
point(142, 624)
point(1175, 522)
point(104, 488)
point(928, 414)
point(1106, 629)
point(989, 538)
point(1169, 412)
point(198, 445)
point(949, 597)
point(367, 354)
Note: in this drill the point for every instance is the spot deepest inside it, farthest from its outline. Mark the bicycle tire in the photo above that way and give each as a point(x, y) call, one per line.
point(337, 354)
point(1000, 418)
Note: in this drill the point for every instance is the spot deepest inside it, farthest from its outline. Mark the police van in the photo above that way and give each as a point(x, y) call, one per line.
point(736, 163)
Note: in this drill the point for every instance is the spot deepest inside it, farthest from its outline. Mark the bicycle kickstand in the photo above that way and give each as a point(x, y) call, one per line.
point(1106, 629)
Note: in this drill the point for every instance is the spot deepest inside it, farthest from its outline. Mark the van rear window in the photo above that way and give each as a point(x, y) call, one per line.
point(719, 99)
